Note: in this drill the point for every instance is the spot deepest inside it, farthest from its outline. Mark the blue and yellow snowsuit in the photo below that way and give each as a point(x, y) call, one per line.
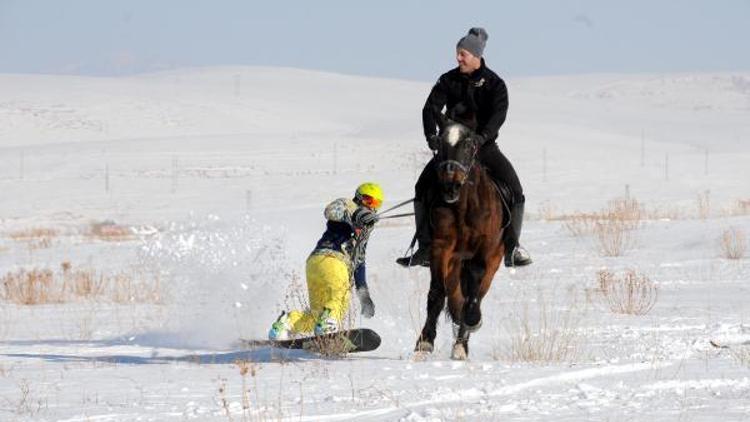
point(338, 257)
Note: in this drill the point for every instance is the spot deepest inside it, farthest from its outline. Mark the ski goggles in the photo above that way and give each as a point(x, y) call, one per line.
point(370, 202)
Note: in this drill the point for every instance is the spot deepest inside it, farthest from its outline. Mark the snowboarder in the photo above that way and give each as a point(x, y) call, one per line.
point(338, 258)
point(469, 89)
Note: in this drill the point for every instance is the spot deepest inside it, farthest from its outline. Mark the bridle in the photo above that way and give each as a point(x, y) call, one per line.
point(451, 166)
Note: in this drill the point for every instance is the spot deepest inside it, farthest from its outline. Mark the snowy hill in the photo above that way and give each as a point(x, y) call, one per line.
point(213, 180)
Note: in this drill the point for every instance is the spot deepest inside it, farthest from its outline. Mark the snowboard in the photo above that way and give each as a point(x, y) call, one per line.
point(345, 341)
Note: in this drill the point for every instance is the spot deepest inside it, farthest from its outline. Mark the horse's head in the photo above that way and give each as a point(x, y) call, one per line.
point(455, 159)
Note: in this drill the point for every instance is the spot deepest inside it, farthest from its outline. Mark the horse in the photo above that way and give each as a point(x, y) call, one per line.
point(467, 246)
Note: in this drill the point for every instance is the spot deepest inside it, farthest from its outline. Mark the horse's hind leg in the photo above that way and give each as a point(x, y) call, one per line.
point(435, 304)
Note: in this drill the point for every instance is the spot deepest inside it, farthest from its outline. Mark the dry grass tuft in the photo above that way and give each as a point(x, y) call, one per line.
point(31, 287)
point(35, 238)
point(110, 231)
point(611, 226)
point(668, 213)
point(44, 286)
point(335, 347)
point(546, 334)
point(632, 293)
point(741, 355)
point(740, 207)
point(733, 243)
point(547, 211)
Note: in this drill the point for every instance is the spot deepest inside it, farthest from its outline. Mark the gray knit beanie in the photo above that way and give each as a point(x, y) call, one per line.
point(474, 41)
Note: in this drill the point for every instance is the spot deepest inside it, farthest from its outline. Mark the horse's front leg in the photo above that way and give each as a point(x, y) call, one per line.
point(435, 304)
point(472, 275)
point(439, 268)
point(467, 314)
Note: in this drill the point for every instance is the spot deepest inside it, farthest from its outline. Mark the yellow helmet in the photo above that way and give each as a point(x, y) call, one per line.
point(370, 195)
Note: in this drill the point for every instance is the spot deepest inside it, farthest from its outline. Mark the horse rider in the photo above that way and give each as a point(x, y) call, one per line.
point(336, 262)
point(473, 89)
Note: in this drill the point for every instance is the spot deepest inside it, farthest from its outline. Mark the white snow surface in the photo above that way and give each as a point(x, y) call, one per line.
point(220, 176)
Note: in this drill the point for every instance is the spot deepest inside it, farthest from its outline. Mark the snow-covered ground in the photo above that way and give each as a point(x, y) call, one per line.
point(219, 175)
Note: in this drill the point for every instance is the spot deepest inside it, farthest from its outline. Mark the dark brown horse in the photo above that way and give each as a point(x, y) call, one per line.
point(467, 243)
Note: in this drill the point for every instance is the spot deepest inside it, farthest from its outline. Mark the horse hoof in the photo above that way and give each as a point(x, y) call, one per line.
point(473, 328)
point(424, 347)
point(459, 352)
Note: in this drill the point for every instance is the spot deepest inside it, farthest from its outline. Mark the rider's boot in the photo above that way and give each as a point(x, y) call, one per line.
point(424, 239)
point(515, 254)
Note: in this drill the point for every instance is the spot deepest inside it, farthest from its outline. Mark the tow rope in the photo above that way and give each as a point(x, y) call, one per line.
point(397, 206)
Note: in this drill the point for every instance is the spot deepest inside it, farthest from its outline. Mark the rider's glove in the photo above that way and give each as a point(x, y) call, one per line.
point(368, 308)
point(363, 217)
point(433, 142)
point(479, 140)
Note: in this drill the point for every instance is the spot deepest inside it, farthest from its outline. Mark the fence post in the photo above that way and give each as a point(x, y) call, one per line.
point(175, 173)
point(643, 147)
point(335, 157)
point(248, 200)
point(705, 164)
point(237, 80)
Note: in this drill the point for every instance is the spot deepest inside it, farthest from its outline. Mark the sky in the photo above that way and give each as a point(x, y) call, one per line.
point(401, 39)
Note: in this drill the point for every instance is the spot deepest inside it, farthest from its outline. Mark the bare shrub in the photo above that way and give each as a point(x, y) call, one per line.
point(613, 237)
point(733, 243)
point(626, 210)
point(632, 293)
point(43, 286)
point(580, 224)
point(704, 205)
point(542, 335)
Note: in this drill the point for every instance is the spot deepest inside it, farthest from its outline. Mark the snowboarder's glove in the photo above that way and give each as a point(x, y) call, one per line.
point(363, 217)
point(433, 142)
point(368, 308)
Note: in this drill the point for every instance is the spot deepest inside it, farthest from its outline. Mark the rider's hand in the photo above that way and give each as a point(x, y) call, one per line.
point(433, 141)
point(363, 217)
point(368, 307)
point(479, 140)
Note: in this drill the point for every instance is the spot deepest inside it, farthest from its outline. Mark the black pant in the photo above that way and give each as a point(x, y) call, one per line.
point(497, 166)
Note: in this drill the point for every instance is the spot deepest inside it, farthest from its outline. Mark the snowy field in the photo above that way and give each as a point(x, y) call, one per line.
point(167, 215)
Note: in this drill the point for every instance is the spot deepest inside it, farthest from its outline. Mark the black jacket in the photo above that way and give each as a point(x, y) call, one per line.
point(481, 93)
